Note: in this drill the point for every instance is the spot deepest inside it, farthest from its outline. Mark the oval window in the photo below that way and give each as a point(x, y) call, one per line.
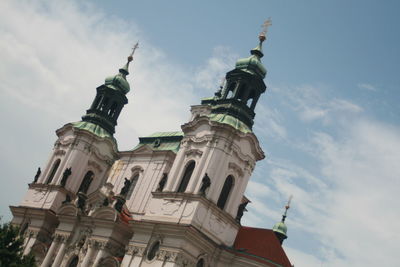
point(153, 251)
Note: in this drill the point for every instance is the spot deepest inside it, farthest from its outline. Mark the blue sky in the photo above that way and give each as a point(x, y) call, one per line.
point(329, 121)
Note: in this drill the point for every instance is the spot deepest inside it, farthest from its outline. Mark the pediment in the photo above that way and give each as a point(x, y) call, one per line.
point(68, 209)
point(106, 213)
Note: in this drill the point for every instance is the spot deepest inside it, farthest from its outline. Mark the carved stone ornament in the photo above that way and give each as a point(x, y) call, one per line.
point(233, 166)
point(61, 238)
point(183, 261)
point(166, 255)
point(59, 152)
point(95, 165)
point(170, 207)
point(136, 250)
point(193, 152)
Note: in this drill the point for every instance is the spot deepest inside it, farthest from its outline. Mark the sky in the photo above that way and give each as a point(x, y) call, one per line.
point(328, 123)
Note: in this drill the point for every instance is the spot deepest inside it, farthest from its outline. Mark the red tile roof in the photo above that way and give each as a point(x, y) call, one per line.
point(260, 245)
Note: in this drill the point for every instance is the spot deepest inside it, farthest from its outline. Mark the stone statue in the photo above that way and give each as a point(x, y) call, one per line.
point(241, 209)
point(125, 188)
point(39, 171)
point(119, 205)
point(205, 183)
point(65, 176)
point(81, 202)
point(162, 182)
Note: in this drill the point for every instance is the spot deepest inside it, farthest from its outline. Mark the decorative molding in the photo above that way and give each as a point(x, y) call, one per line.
point(61, 237)
point(135, 250)
point(236, 168)
point(59, 152)
point(137, 169)
point(195, 152)
point(95, 165)
point(201, 139)
point(170, 207)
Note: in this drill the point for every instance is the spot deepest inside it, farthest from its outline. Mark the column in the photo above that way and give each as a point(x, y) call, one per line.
point(60, 253)
point(176, 169)
point(49, 256)
point(89, 254)
point(101, 254)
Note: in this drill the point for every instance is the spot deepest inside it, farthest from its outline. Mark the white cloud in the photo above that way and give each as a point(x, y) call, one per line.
point(367, 86)
point(351, 210)
point(311, 104)
point(54, 54)
point(212, 74)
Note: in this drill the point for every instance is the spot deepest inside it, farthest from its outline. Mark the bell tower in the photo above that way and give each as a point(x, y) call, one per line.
point(78, 165)
point(218, 152)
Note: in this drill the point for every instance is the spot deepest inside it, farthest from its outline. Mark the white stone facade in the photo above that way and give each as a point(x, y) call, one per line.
point(188, 225)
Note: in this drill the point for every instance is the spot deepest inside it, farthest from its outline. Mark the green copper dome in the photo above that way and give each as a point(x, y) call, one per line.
point(253, 63)
point(281, 228)
point(118, 81)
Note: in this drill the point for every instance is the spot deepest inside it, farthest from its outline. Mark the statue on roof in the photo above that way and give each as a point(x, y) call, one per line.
point(205, 183)
point(125, 188)
point(65, 176)
point(39, 171)
point(241, 210)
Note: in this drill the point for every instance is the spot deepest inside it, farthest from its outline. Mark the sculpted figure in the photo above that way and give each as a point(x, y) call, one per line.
point(39, 171)
point(241, 209)
point(205, 183)
point(65, 176)
point(125, 188)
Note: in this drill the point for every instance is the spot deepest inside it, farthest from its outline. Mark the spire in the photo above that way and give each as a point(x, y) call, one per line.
point(109, 100)
point(280, 228)
point(257, 51)
point(124, 70)
point(286, 209)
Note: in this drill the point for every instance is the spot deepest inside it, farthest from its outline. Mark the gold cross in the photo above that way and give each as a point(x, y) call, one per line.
point(136, 46)
point(265, 26)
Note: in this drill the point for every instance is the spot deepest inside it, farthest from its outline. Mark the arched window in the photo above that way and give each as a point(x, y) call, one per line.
point(134, 180)
point(53, 171)
point(242, 93)
point(96, 102)
point(229, 90)
point(226, 189)
point(104, 105)
point(113, 109)
point(74, 262)
point(153, 251)
point(186, 177)
point(86, 182)
point(200, 263)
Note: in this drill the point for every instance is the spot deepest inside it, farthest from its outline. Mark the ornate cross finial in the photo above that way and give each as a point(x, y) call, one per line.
point(286, 208)
point(265, 26)
point(136, 46)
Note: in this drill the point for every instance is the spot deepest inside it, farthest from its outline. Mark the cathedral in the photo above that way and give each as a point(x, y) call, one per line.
point(176, 199)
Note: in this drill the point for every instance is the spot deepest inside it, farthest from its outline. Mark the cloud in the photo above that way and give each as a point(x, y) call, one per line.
point(367, 86)
point(212, 73)
point(348, 211)
point(311, 104)
point(54, 55)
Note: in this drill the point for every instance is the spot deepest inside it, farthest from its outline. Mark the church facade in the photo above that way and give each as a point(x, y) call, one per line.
point(176, 199)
